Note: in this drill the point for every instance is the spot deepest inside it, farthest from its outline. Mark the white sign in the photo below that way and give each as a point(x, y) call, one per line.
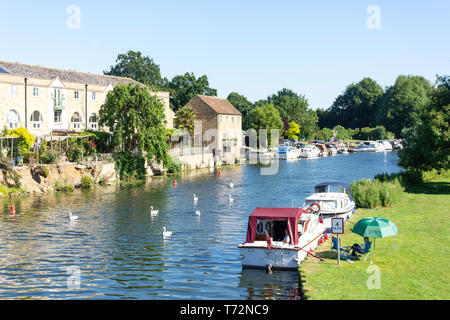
point(337, 225)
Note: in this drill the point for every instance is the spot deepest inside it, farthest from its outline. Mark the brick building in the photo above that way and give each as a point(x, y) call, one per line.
point(225, 120)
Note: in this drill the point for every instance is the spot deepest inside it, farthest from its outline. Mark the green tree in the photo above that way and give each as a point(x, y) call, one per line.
point(137, 67)
point(185, 118)
point(294, 107)
point(341, 133)
point(403, 103)
point(184, 87)
point(324, 134)
point(428, 143)
point(241, 103)
point(356, 106)
point(136, 120)
point(293, 132)
point(266, 117)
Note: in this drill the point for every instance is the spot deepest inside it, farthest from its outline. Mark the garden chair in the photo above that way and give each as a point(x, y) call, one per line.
point(344, 250)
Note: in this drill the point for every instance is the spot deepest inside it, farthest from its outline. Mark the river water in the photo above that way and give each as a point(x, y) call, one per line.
point(115, 250)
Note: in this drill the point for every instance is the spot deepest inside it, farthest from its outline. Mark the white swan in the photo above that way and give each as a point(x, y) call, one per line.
point(166, 233)
point(195, 198)
point(231, 198)
point(153, 213)
point(231, 185)
point(197, 213)
point(72, 217)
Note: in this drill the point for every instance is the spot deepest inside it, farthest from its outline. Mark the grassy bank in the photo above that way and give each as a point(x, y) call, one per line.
point(413, 264)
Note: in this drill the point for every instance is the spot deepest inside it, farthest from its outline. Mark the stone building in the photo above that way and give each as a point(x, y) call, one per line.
point(222, 123)
point(45, 100)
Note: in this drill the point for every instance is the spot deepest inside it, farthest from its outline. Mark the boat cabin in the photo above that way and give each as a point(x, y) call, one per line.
point(275, 221)
point(334, 187)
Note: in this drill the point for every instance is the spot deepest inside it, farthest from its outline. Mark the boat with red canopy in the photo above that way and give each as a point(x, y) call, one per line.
point(280, 238)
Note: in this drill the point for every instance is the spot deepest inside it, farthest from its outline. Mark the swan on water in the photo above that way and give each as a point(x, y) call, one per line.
point(197, 213)
point(166, 233)
point(230, 198)
point(195, 198)
point(72, 217)
point(153, 213)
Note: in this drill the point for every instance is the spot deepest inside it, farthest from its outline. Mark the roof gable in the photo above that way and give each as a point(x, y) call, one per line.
point(218, 105)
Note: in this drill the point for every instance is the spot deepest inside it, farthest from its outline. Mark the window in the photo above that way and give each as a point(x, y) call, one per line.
point(93, 120)
point(57, 116)
point(36, 119)
point(57, 97)
point(93, 96)
point(12, 118)
point(13, 89)
point(221, 119)
point(76, 120)
point(232, 119)
point(35, 92)
point(76, 95)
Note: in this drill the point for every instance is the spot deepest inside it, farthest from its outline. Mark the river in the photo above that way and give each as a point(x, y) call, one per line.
point(115, 250)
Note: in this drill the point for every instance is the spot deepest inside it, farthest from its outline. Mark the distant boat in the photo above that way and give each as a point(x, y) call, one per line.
point(370, 146)
point(309, 152)
point(287, 153)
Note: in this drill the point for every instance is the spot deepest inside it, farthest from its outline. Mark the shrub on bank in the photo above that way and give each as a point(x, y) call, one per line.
point(87, 182)
point(173, 165)
point(49, 157)
point(374, 193)
point(64, 186)
point(130, 167)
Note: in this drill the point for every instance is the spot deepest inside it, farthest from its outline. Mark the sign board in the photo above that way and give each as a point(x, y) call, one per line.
point(337, 225)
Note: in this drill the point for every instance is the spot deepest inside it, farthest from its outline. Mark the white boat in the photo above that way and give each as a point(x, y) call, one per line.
point(304, 228)
point(342, 150)
point(334, 199)
point(309, 152)
point(386, 144)
point(260, 156)
point(287, 153)
point(370, 146)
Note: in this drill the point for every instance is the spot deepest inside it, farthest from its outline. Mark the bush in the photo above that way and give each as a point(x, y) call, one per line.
point(27, 139)
point(374, 193)
point(46, 172)
point(405, 178)
point(87, 182)
point(64, 186)
point(49, 157)
point(173, 165)
point(73, 154)
point(129, 167)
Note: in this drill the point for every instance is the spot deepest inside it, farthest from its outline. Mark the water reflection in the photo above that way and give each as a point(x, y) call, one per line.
point(279, 285)
point(119, 248)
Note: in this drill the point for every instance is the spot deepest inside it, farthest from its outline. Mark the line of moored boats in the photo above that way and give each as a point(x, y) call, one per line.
point(318, 149)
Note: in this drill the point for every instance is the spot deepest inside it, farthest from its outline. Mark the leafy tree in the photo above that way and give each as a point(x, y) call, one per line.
point(185, 118)
point(266, 117)
point(403, 103)
point(293, 131)
point(184, 87)
point(356, 106)
point(428, 143)
point(136, 120)
point(243, 105)
point(341, 133)
point(137, 67)
point(294, 107)
point(324, 134)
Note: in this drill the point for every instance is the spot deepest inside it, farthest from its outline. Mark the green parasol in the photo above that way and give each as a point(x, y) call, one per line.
point(375, 228)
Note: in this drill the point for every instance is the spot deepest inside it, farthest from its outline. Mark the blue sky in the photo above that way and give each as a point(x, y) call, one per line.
point(255, 48)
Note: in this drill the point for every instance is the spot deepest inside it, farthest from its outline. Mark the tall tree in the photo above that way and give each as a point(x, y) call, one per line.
point(184, 87)
point(403, 103)
point(356, 106)
point(293, 132)
point(136, 120)
point(185, 118)
point(294, 107)
point(138, 67)
point(266, 117)
point(241, 103)
point(428, 144)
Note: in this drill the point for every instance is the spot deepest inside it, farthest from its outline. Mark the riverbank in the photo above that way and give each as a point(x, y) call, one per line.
point(412, 265)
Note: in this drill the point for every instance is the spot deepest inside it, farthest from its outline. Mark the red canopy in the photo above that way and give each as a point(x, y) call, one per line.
point(291, 215)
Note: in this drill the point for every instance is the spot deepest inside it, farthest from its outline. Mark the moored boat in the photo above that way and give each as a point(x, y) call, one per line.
point(267, 228)
point(334, 199)
point(309, 152)
point(287, 153)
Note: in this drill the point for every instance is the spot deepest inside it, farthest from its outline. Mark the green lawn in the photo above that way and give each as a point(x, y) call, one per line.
point(415, 264)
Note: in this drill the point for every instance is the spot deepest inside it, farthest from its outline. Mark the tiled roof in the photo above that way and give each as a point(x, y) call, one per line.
point(38, 72)
point(219, 105)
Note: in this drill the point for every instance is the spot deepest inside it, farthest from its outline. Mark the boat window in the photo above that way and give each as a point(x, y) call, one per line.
point(279, 228)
